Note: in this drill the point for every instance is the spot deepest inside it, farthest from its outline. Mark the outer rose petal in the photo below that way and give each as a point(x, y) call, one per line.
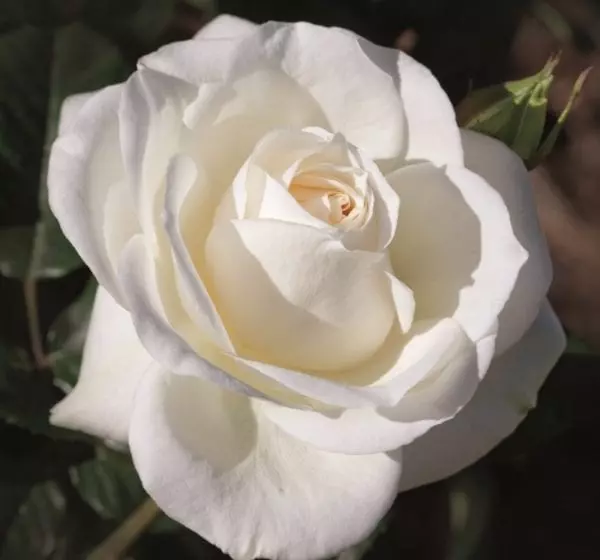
point(433, 134)
point(360, 98)
point(213, 464)
point(454, 246)
point(505, 172)
point(431, 131)
point(70, 109)
point(114, 362)
point(390, 91)
point(225, 26)
point(447, 388)
point(151, 128)
point(500, 404)
point(197, 61)
point(163, 326)
point(85, 164)
point(383, 380)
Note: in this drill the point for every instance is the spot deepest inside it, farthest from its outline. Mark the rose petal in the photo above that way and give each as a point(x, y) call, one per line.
point(150, 115)
point(120, 222)
point(70, 109)
point(182, 177)
point(399, 366)
point(226, 123)
point(445, 389)
point(214, 465)
point(433, 134)
point(85, 163)
point(225, 26)
point(260, 188)
point(196, 61)
point(359, 98)
point(382, 381)
point(454, 246)
point(506, 173)
point(404, 302)
point(114, 362)
point(386, 204)
point(170, 341)
point(500, 404)
point(430, 131)
point(307, 303)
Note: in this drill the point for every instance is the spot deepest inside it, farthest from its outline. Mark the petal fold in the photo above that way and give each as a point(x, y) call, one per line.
point(436, 397)
point(182, 177)
point(360, 99)
point(70, 109)
point(506, 173)
point(214, 464)
point(455, 246)
point(85, 164)
point(500, 404)
point(177, 351)
point(327, 308)
point(114, 362)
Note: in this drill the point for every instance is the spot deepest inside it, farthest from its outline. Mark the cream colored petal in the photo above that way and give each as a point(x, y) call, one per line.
point(455, 246)
point(500, 404)
point(225, 26)
point(85, 165)
point(359, 98)
point(224, 471)
point(506, 173)
point(307, 304)
point(114, 362)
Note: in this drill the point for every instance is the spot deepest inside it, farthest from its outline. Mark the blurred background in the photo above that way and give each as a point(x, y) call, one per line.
point(536, 496)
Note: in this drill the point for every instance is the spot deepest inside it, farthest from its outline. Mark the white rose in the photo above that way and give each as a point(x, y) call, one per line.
point(315, 289)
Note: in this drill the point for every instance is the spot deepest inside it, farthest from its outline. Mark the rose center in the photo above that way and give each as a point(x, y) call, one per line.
point(329, 197)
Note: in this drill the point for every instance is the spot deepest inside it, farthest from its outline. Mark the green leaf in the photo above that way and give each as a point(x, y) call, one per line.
point(151, 19)
point(15, 247)
point(137, 31)
point(109, 484)
point(35, 533)
point(205, 5)
point(470, 495)
point(52, 13)
point(28, 459)
point(28, 394)
point(37, 12)
point(576, 346)
point(110, 10)
point(66, 338)
point(53, 524)
point(26, 399)
point(39, 68)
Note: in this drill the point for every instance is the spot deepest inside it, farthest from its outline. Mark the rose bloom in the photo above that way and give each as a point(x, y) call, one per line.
point(315, 290)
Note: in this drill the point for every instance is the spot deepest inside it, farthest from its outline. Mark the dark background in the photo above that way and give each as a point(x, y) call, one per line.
point(536, 496)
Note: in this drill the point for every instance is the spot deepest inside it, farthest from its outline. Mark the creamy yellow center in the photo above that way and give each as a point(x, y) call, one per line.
point(330, 195)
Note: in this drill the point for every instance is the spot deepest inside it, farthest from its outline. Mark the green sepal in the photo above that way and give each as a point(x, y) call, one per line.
point(513, 112)
point(550, 140)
